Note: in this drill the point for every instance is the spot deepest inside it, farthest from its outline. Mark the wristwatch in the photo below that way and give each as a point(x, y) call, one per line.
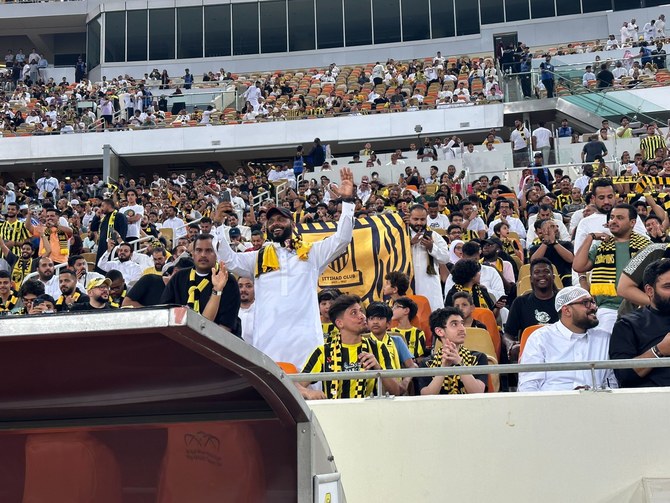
point(217, 293)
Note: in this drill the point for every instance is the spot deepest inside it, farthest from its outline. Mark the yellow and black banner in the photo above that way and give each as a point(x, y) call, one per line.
point(380, 245)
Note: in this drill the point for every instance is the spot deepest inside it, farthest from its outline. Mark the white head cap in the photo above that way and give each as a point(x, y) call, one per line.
point(568, 295)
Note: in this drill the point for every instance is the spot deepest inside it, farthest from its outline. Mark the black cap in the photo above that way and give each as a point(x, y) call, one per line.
point(538, 154)
point(282, 211)
point(493, 241)
point(234, 232)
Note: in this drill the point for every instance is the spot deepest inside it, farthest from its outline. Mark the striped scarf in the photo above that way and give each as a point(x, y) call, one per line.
point(478, 296)
point(110, 224)
point(453, 385)
point(61, 300)
point(11, 302)
point(498, 264)
point(20, 270)
point(195, 289)
point(603, 275)
point(333, 363)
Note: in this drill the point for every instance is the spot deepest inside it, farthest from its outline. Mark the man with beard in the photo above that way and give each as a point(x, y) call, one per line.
point(607, 260)
point(98, 296)
point(109, 224)
point(207, 288)
point(130, 270)
point(287, 325)
point(13, 231)
point(604, 200)
point(79, 265)
point(70, 294)
point(646, 332)
point(46, 276)
point(247, 308)
point(118, 288)
point(536, 307)
point(22, 265)
point(428, 251)
point(573, 338)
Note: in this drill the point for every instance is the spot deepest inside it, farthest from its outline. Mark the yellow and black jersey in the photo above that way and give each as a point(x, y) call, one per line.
point(415, 338)
point(335, 356)
point(390, 345)
point(14, 231)
point(650, 144)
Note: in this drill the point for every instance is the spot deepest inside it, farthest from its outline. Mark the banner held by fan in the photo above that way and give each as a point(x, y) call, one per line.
point(380, 245)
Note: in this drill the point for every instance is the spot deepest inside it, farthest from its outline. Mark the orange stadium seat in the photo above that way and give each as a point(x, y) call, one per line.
point(487, 318)
point(422, 316)
point(524, 337)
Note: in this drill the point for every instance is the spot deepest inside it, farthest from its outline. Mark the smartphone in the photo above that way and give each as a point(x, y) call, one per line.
point(503, 298)
point(225, 196)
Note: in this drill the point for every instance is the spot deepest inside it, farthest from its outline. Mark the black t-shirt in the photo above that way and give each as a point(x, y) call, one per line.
point(176, 292)
point(605, 79)
point(527, 311)
point(88, 307)
point(148, 290)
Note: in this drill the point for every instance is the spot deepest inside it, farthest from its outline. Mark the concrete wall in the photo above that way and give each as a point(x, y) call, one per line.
point(550, 447)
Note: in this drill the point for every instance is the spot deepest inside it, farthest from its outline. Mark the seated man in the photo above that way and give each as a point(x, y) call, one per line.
point(646, 332)
point(447, 326)
point(534, 308)
point(490, 278)
point(347, 353)
point(130, 270)
point(70, 294)
point(464, 302)
point(98, 296)
point(573, 338)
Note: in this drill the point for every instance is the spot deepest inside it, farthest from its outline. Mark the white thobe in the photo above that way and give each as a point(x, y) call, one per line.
point(564, 235)
point(130, 270)
point(287, 325)
point(515, 225)
point(252, 94)
point(426, 284)
point(83, 282)
point(52, 287)
point(556, 343)
point(246, 315)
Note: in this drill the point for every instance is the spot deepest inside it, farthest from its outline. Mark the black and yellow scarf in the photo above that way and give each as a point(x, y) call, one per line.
point(118, 302)
point(195, 289)
point(479, 298)
point(510, 246)
point(11, 302)
point(110, 223)
point(453, 385)
point(61, 300)
point(63, 239)
point(603, 275)
point(329, 330)
point(20, 270)
point(268, 260)
point(469, 235)
point(333, 363)
point(497, 264)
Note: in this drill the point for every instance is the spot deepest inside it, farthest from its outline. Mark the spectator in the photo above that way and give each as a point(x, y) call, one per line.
point(447, 326)
point(404, 310)
point(70, 293)
point(207, 288)
point(396, 284)
point(8, 296)
point(349, 351)
point(575, 337)
point(558, 252)
point(645, 332)
point(533, 308)
point(98, 296)
point(592, 149)
point(464, 303)
point(130, 270)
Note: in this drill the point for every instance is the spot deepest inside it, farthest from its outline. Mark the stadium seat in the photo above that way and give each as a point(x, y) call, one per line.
point(524, 337)
point(487, 318)
point(287, 367)
point(70, 467)
point(422, 316)
point(479, 339)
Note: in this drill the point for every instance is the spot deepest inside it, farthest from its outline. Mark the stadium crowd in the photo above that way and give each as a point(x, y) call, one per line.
point(35, 105)
point(577, 263)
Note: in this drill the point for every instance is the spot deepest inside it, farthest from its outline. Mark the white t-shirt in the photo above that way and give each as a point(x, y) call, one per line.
point(542, 136)
point(134, 229)
point(441, 222)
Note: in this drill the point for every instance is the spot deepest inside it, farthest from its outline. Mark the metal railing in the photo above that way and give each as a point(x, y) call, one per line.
point(591, 365)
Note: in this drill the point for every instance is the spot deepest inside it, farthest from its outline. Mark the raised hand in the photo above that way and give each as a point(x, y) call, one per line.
point(346, 188)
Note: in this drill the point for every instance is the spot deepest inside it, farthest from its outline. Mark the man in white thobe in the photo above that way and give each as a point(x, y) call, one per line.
point(287, 326)
point(428, 251)
point(252, 94)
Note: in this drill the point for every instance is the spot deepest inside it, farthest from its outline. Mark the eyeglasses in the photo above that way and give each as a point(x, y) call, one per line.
point(585, 303)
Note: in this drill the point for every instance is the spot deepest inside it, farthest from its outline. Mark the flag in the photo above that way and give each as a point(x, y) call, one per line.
point(380, 245)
